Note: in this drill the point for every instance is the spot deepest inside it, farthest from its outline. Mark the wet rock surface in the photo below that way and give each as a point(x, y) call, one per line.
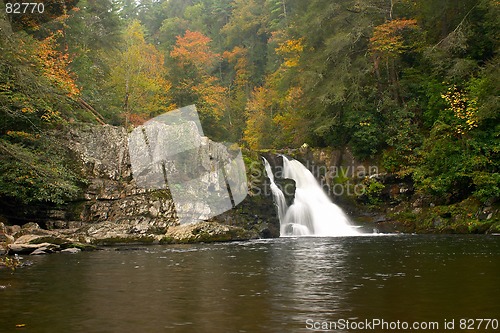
point(112, 209)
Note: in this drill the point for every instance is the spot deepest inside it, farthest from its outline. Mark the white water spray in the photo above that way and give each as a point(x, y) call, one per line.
point(278, 196)
point(312, 212)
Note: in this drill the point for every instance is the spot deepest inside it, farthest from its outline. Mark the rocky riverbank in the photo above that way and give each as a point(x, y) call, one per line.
point(33, 240)
point(112, 209)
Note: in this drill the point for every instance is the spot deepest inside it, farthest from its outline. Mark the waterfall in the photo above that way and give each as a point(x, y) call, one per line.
point(312, 212)
point(278, 196)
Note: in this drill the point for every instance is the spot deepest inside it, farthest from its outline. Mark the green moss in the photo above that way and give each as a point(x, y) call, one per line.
point(461, 217)
point(81, 246)
point(161, 195)
point(478, 227)
point(49, 239)
point(167, 240)
point(125, 240)
point(495, 228)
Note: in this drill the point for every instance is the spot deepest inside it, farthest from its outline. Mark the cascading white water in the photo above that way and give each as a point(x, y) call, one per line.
point(312, 212)
point(278, 196)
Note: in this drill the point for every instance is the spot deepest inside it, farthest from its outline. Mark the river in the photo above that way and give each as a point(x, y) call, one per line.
point(279, 285)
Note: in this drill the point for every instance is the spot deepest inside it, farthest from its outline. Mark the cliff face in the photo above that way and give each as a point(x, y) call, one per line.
point(112, 201)
point(114, 209)
point(114, 206)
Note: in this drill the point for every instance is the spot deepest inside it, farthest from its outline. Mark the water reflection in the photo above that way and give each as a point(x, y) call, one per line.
point(184, 289)
point(315, 280)
point(261, 286)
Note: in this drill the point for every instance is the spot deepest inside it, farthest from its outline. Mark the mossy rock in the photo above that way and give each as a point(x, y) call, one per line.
point(120, 240)
point(479, 227)
point(161, 195)
point(494, 228)
point(50, 239)
point(167, 240)
point(81, 246)
point(205, 232)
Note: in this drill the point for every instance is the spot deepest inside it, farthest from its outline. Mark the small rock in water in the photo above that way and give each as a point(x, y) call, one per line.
point(30, 248)
point(71, 250)
point(38, 252)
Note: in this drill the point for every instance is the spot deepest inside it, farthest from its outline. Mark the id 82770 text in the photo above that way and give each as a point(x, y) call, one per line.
point(24, 8)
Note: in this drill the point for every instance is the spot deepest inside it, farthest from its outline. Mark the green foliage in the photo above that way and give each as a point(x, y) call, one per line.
point(441, 170)
point(137, 84)
point(10, 263)
point(366, 140)
point(487, 185)
point(454, 167)
point(372, 191)
point(36, 171)
point(413, 81)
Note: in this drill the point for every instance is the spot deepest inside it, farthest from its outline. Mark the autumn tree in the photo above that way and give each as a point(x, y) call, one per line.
point(246, 28)
point(194, 81)
point(260, 131)
point(36, 95)
point(138, 78)
point(277, 106)
point(239, 89)
point(55, 64)
point(389, 41)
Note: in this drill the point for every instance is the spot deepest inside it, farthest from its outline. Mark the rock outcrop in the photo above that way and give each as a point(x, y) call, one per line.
point(113, 209)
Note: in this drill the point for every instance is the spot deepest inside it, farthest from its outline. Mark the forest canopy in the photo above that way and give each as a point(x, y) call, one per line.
point(412, 84)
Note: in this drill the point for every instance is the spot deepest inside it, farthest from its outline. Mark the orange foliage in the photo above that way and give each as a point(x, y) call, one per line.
point(387, 39)
point(55, 64)
point(211, 96)
point(239, 57)
point(194, 57)
point(137, 119)
point(194, 49)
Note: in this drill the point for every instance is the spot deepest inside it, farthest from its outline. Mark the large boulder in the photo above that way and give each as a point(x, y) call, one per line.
point(29, 248)
point(205, 232)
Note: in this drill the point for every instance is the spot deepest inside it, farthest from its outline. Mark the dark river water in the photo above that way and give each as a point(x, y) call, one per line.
point(280, 285)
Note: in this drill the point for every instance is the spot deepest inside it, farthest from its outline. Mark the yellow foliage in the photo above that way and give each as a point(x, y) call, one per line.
point(291, 50)
point(138, 77)
point(239, 57)
point(211, 96)
point(463, 108)
point(49, 115)
point(23, 135)
point(258, 124)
